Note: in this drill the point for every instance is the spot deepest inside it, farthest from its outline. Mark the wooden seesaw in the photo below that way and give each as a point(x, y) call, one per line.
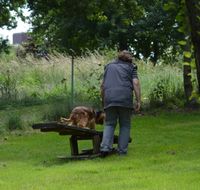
point(76, 134)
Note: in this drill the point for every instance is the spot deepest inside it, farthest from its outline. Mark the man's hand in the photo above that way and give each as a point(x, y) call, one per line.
point(136, 85)
point(102, 94)
point(137, 106)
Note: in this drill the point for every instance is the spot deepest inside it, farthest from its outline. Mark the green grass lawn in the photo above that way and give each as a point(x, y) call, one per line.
point(164, 155)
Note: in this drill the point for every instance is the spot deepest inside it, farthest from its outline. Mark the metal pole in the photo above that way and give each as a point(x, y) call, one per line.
point(72, 82)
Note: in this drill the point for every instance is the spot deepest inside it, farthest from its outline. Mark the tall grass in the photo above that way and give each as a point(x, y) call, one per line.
point(32, 81)
point(161, 84)
point(14, 122)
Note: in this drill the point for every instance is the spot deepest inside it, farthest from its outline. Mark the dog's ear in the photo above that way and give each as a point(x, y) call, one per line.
point(99, 117)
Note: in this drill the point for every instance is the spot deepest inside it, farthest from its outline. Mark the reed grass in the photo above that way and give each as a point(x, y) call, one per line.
point(35, 81)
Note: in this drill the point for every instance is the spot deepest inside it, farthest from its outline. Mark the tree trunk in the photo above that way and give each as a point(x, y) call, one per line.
point(193, 13)
point(187, 75)
point(123, 45)
point(122, 42)
point(156, 52)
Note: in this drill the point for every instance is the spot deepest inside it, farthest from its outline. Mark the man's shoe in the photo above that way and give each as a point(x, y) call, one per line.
point(104, 154)
point(122, 153)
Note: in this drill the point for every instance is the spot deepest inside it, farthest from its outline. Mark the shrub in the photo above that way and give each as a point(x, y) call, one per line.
point(14, 122)
point(41, 81)
point(56, 111)
point(166, 94)
point(8, 85)
point(2, 130)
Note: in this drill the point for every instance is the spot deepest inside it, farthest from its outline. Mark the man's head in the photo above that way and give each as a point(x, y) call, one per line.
point(125, 55)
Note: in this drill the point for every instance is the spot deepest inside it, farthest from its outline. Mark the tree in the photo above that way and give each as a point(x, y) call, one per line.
point(4, 47)
point(155, 32)
point(186, 44)
point(193, 8)
point(81, 25)
point(9, 11)
point(182, 23)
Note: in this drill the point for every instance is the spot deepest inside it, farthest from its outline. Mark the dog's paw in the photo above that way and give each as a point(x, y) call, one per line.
point(62, 119)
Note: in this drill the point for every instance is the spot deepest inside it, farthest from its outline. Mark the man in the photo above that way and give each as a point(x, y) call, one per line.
point(119, 82)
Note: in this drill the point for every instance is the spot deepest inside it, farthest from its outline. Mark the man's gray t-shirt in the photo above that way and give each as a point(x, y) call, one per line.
point(118, 84)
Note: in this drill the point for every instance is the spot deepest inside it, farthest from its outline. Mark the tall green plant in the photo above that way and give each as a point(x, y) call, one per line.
point(186, 46)
point(8, 83)
point(81, 25)
point(193, 10)
point(4, 47)
point(14, 122)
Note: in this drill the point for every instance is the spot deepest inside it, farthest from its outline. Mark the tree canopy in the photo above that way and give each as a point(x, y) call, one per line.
point(9, 11)
point(81, 25)
point(149, 28)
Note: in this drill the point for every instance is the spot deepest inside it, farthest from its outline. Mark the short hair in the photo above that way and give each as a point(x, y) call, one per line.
point(125, 55)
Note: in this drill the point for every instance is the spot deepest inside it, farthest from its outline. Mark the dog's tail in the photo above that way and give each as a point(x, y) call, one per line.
point(65, 120)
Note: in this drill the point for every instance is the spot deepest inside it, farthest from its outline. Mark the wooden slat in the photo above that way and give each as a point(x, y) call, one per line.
point(96, 144)
point(80, 157)
point(63, 129)
point(74, 145)
point(49, 125)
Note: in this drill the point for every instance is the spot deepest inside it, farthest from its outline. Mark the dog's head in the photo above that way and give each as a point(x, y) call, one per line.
point(99, 117)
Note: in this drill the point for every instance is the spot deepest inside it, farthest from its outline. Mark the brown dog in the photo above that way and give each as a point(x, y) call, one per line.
point(84, 117)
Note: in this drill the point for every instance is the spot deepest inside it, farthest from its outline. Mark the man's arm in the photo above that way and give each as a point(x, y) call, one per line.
point(102, 94)
point(137, 91)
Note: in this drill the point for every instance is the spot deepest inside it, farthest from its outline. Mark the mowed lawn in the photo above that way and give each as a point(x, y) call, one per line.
point(164, 155)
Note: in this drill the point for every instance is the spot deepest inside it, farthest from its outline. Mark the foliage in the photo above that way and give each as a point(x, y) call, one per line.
point(188, 22)
point(4, 47)
point(57, 110)
point(76, 27)
point(185, 44)
point(166, 95)
point(14, 122)
point(155, 32)
point(90, 77)
point(9, 11)
point(31, 81)
point(29, 47)
point(193, 8)
point(81, 25)
point(8, 85)
point(160, 81)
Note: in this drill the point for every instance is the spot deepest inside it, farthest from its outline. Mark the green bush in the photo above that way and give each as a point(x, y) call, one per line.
point(14, 122)
point(166, 94)
point(55, 111)
point(41, 82)
point(8, 90)
point(2, 130)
